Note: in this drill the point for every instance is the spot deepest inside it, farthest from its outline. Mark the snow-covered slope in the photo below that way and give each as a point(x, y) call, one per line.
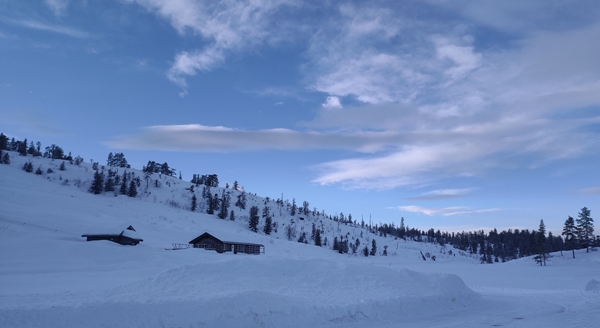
point(51, 277)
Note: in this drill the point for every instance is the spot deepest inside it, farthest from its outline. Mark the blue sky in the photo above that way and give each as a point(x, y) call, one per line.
point(457, 115)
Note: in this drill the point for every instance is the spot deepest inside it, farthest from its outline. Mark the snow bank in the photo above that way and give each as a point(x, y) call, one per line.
point(244, 291)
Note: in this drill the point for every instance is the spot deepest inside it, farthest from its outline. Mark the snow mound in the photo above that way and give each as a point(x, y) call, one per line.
point(246, 291)
point(593, 286)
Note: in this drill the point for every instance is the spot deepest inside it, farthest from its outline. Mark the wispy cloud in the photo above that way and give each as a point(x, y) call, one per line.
point(59, 29)
point(445, 211)
point(57, 6)
point(196, 137)
point(590, 191)
point(226, 26)
point(441, 194)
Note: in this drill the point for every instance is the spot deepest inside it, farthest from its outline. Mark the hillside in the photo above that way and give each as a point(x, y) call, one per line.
point(51, 277)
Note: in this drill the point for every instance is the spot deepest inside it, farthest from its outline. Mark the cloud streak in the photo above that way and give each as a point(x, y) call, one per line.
point(444, 211)
point(442, 194)
point(58, 29)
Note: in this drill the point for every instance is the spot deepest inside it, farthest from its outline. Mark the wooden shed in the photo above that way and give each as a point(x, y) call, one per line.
point(210, 242)
point(123, 236)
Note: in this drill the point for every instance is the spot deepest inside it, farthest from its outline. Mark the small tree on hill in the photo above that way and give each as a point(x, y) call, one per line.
point(318, 238)
point(373, 247)
point(194, 203)
point(585, 227)
point(254, 219)
point(541, 245)
point(570, 234)
point(97, 183)
point(6, 158)
point(268, 225)
point(132, 192)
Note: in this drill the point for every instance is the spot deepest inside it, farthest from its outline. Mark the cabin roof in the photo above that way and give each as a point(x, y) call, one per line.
point(223, 241)
point(116, 230)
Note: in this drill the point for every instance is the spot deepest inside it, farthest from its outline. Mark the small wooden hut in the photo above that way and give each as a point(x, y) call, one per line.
point(210, 242)
point(123, 236)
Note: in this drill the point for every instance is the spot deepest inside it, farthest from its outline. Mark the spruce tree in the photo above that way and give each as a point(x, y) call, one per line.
point(231, 216)
point(254, 219)
point(62, 166)
point(224, 210)
point(268, 225)
point(294, 207)
point(585, 227)
point(123, 189)
point(209, 201)
point(6, 158)
point(318, 238)
point(97, 183)
point(373, 248)
point(541, 245)
point(132, 192)
point(570, 234)
point(194, 203)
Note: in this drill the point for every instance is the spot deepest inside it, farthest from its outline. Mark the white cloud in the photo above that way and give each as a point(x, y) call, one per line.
point(590, 191)
point(196, 137)
point(226, 26)
point(65, 30)
point(441, 194)
point(445, 211)
point(465, 60)
point(57, 6)
point(332, 102)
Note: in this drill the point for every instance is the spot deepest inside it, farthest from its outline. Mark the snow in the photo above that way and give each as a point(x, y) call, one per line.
point(51, 277)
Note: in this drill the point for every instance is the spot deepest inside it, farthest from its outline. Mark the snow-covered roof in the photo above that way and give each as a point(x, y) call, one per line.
point(126, 230)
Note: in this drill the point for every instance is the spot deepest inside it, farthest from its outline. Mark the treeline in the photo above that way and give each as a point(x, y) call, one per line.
point(25, 148)
point(505, 245)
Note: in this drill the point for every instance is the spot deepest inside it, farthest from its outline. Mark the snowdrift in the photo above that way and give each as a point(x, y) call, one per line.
point(242, 291)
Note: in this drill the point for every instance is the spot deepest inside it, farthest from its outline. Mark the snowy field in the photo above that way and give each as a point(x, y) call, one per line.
point(51, 277)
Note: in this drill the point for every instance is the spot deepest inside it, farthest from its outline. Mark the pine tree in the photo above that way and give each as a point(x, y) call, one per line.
point(541, 245)
point(268, 225)
point(570, 233)
point(132, 192)
point(585, 227)
point(373, 248)
point(194, 203)
point(109, 183)
point(123, 189)
point(365, 251)
point(231, 216)
point(62, 166)
point(294, 207)
point(254, 219)
point(6, 158)
point(97, 183)
point(224, 211)
point(210, 202)
point(3, 142)
point(318, 238)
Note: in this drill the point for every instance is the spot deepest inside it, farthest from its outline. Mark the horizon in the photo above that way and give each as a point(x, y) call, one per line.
point(455, 116)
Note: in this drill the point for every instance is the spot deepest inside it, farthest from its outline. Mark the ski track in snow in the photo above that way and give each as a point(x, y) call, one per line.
point(51, 277)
